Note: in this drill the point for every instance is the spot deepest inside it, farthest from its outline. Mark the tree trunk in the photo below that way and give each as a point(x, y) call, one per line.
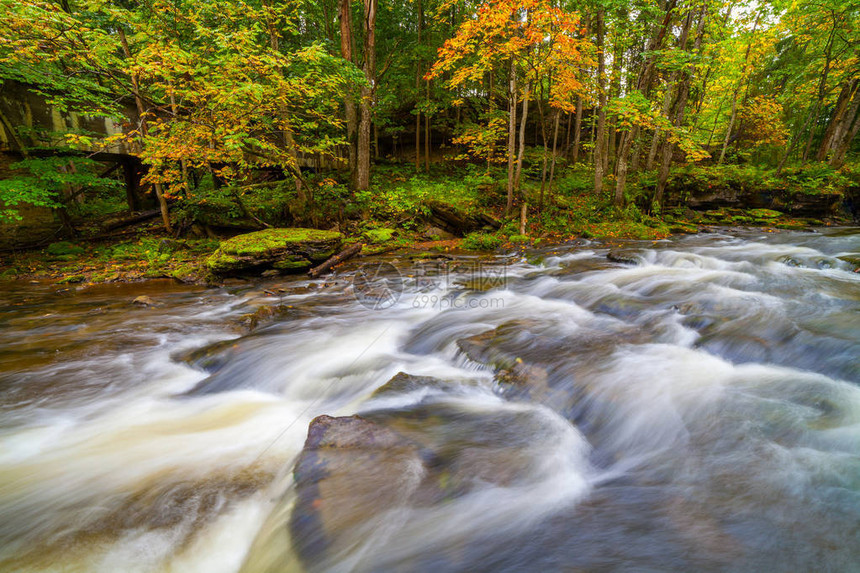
point(848, 134)
point(418, 90)
point(554, 155)
point(658, 134)
point(369, 67)
point(427, 132)
point(629, 139)
point(680, 101)
point(522, 150)
point(345, 17)
point(545, 148)
point(737, 90)
point(524, 210)
point(813, 116)
point(141, 110)
point(600, 137)
point(512, 130)
point(846, 94)
point(577, 129)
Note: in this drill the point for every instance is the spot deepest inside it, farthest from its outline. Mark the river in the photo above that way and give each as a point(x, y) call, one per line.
point(691, 405)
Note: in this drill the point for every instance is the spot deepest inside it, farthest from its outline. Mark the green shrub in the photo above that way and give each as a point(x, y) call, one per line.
point(481, 242)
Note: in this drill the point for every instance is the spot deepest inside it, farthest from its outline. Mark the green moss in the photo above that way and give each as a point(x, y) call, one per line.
point(382, 235)
point(682, 228)
point(519, 239)
point(764, 213)
point(261, 242)
point(320, 256)
point(292, 264)
point(274, 247)
point(481, 242)
point(64, 248)
point(72, 279)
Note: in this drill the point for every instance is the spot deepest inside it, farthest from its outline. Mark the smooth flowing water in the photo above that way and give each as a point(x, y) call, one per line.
point(694, 408)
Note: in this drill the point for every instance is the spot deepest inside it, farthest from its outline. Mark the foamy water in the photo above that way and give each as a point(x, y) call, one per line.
point(697, 410)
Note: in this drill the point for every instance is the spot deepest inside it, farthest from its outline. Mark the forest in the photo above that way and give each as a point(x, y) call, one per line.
point(552, 119)
point(429, 286)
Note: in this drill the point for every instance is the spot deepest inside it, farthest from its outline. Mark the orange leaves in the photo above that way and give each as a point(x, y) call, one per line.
point(761, 122)
point(518, 30)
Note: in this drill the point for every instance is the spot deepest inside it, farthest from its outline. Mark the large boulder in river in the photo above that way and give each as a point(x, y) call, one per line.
point(292, 249)
point(350, 471)
point(359, 475)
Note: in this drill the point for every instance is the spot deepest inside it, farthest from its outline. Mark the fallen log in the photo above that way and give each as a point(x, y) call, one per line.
point(138, 218)
point(458, 221)
point(342, 256)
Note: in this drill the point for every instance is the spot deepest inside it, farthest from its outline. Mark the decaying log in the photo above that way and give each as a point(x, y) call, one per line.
point(342, 256)
point(138, 218)
point(457, 221)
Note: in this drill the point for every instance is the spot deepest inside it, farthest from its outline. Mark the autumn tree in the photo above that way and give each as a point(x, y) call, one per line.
point(525, 40)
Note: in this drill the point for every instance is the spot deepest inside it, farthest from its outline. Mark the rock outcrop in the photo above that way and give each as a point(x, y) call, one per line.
point(288, 250)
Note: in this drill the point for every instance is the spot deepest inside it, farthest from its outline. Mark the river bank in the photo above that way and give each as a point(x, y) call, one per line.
point(149, 254)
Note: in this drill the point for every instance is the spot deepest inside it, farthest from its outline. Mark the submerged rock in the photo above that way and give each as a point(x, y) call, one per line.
point(359, 475)
point(493, 349)
point(403, 382)
point(623, 256)
point(350, 471)
point(292, 249)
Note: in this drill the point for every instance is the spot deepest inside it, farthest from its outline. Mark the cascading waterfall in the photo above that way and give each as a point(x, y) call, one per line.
point(690, 404)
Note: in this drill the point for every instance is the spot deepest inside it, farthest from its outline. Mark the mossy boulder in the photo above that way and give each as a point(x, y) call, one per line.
point(292, 249)
point(64, 251)
point(377, 236)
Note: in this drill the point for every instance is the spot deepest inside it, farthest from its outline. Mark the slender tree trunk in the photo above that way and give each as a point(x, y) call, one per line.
point(577, 130)
point(345, 17)
point(524, 211)
point(736, 91)
point(366, 104)
point(183, 164)
point(600, 137)
point(554, 155)
point(813, 115)
point(522, 149)
point(512, 130)
point(658, 134)
point(630, 138)
point(427, 132)
point(376, 153)
point(680, 101)
point(545, 149)
point(141, 110)
point(418, 141)
point(615, 86)
point(418, 90)
point(567, 135)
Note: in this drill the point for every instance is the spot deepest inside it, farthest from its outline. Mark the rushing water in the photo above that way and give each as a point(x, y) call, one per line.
point(695, 408)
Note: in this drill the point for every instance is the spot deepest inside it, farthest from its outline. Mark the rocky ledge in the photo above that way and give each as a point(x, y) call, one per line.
point(288, 250)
